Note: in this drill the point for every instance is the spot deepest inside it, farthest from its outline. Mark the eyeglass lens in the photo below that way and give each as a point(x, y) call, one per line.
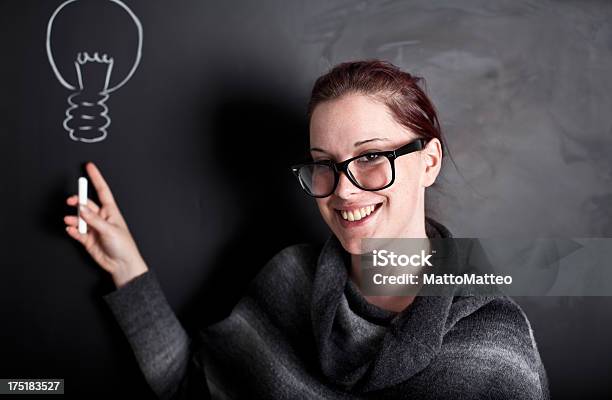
point(371, 172)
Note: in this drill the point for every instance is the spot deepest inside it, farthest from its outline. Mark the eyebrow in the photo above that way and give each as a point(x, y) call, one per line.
point(357, 144)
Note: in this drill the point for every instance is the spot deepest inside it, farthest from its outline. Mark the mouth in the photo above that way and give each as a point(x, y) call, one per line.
point(358, 216)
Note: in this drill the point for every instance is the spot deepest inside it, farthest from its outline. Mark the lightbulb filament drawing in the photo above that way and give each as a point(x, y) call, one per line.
point(94, 75)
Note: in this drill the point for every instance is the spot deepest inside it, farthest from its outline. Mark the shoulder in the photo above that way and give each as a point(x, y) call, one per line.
point(292, 266)
point(491, 339)
point(281, 291)
point(490, 317)
point(297, 256)
point(496, 324)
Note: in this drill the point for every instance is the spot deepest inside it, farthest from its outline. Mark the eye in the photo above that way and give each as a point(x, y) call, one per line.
point(368, 158)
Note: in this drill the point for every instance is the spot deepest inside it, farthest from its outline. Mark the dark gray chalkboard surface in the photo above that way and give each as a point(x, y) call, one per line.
point(197, 155)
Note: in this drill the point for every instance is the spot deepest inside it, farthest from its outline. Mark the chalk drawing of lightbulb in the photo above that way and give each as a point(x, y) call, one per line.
point(94, 48)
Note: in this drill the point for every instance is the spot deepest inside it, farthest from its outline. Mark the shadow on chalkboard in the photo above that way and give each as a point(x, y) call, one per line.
point(255, 137)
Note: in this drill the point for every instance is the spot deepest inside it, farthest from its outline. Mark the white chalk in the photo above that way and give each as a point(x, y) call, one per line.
point(82, 201)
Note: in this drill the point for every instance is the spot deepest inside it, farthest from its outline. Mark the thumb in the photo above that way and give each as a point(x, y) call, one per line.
point(93, 219)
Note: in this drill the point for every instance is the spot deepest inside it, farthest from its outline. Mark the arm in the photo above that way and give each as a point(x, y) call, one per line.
point(164, 351)
point(167, 356)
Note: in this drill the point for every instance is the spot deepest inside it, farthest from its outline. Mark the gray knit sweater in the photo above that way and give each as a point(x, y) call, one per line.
point(303, 330)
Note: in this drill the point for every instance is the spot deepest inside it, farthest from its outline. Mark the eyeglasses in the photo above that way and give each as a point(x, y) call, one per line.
point(370, 171)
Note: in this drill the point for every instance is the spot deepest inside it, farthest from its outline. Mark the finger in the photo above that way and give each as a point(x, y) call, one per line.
point(93, 219)
point(104, 193)
point(74, 233)
point(74, 201)
point(71, 220)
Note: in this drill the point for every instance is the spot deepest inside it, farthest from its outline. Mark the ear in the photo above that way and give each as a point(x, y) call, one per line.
point(432, 161)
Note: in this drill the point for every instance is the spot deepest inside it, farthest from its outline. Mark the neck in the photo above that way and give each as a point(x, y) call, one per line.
point(390, 303)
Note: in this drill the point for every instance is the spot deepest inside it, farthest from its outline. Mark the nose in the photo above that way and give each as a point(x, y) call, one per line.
point(345, 187)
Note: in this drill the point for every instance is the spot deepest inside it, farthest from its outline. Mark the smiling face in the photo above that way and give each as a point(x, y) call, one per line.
point(355, 124)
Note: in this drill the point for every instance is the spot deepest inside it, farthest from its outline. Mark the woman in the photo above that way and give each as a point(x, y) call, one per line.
point(303, 328)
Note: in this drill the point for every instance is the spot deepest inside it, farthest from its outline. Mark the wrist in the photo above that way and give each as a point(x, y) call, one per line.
point(130, 271)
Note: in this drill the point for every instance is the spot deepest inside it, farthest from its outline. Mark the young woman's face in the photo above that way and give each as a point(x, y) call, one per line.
point(355, 124)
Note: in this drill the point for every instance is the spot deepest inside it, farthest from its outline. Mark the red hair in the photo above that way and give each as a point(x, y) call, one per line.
point(383, 81)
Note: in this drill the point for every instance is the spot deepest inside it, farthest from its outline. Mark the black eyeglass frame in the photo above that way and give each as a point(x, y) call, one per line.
point(342, 166)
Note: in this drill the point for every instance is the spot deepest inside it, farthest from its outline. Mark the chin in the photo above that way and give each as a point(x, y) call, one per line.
point(351, 245)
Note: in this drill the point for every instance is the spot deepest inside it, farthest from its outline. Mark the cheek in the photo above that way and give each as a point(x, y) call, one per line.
point(404, 193)
point(323, 208)
point(407, 178)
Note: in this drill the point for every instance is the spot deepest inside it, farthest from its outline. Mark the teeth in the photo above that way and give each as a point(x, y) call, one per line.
point(357, 214)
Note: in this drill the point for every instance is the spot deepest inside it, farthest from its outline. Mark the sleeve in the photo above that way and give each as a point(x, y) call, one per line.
point(167, 356)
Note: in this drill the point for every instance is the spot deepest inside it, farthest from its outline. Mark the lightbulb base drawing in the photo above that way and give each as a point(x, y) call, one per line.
point(87, 117)
point(94, 76)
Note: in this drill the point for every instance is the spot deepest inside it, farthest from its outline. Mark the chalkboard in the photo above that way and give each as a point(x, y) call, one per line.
point(197, 155)
point(205, 109)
